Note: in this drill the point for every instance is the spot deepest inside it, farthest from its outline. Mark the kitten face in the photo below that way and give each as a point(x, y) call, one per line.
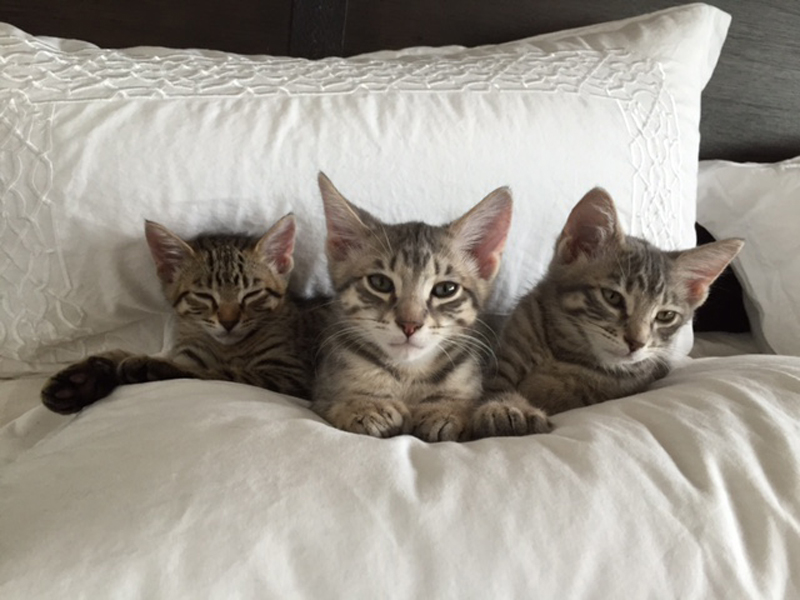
point(412, 288)
point(619, 299)
point(627, 307)
point(411, 301)
point(225, 291)
point(225, 285)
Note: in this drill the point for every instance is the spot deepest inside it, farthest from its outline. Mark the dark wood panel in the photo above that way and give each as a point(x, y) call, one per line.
point(318, 28)
point(749, 107)
point(244, 26)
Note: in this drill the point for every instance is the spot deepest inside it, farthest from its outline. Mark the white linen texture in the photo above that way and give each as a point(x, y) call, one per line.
point(94, 141)
point(191, 489)
point(760, 203)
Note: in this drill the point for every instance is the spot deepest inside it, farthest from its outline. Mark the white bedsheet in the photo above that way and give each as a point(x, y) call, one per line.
point(189, 489)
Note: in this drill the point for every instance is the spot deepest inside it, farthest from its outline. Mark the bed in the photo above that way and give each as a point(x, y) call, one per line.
point(207, 117)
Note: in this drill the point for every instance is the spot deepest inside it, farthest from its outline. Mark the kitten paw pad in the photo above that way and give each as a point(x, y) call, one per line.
point(79, 385)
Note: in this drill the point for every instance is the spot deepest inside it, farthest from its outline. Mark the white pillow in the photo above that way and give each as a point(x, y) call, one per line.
point(761, 203)
point(94, 141)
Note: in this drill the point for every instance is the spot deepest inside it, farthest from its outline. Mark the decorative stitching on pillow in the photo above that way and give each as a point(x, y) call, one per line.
point(37, 76)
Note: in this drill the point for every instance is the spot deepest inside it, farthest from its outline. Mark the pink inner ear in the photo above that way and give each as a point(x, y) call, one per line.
point(699, 280)
point(700, 267)
point(346, 232)
point(484, 229)
point(591, 224)
point(487, 253)
point(345, 223)
point(697, 288)
point(168, 250)
point(277, 246)
point(283, 264)
point(341, 241)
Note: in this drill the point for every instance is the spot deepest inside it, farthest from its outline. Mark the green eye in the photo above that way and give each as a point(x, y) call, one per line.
point(380, 283)
point(613, 297)
point(445, 289)
point(666, 316)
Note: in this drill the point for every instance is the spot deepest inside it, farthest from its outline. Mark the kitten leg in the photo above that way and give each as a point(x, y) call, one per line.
point(90, 380)
point(560, 390)
point(441, 419)
point(142, 368)
point(382, 417)
point(83, 383)
point(508, 414)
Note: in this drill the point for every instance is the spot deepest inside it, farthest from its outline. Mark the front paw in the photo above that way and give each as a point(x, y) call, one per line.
point(376, 418)
point(508, 414)
point(80, 385)
point(439, 423)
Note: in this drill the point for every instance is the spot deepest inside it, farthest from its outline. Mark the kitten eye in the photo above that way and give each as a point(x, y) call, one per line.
point(666, 316)
point(445, 289)
point(380, 283)
point(613, 297)
point(250, 296)
point(203, 298)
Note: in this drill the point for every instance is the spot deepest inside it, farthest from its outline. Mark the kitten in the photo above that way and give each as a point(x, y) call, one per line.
point(600, 325)
point(235, 320)
point(404, 353)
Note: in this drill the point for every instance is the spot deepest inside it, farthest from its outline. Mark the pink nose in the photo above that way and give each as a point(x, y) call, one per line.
point(228, 324)
point(633, 344)
point(408, 327)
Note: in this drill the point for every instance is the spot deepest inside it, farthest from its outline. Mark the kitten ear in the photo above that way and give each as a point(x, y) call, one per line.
point(700, 267)
point(483, 231)
point(277, 245)
point(348, 225)
point(591, 226)
point(169, 251)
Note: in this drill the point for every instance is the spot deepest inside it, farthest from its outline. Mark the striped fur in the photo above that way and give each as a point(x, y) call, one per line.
point(403, 352)
point(600, 325)
point(235, 320)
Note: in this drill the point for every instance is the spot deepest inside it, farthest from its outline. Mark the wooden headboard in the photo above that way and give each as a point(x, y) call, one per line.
point(750, 107)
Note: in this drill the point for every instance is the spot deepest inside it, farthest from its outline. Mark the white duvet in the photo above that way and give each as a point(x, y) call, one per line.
point(189, 489)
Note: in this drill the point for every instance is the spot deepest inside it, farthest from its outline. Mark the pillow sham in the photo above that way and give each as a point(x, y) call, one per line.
point(759, 202)
point(94, 141)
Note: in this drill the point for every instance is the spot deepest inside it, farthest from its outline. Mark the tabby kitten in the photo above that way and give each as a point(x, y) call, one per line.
point(404, 353)
point(600, 325)
point(235, 320)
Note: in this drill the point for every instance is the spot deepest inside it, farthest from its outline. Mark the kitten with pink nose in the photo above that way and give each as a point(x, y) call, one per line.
point(601, 324)
point(402, 352)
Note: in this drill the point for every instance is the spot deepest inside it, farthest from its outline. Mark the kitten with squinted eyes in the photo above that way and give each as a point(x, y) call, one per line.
point(404, 354)
point(602, 323)
point(236, 320)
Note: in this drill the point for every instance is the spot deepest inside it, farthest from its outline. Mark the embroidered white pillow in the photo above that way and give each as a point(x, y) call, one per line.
point(94, 141)
point(761, 203)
